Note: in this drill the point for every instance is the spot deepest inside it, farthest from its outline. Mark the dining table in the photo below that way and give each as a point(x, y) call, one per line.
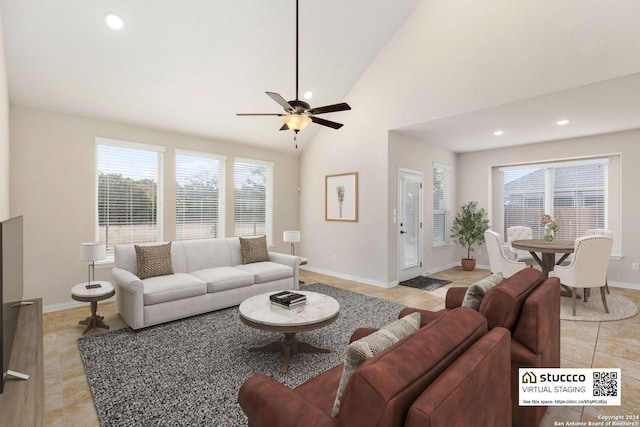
point(548, 251)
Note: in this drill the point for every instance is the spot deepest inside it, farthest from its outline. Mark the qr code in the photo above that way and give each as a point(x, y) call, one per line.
point(605, 383)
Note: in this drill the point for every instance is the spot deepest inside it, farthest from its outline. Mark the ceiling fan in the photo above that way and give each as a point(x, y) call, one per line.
point(298, 114)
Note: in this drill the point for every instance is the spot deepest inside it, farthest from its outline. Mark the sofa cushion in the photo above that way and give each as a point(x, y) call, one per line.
point(154, 260)
point(367, 347)
point(267, 271)
point(223, 278)
point(254, 249)
point(474, 294)
point(502, 304)
point(172, 287)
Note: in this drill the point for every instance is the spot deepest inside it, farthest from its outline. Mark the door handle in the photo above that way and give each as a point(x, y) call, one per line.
point(403, 232)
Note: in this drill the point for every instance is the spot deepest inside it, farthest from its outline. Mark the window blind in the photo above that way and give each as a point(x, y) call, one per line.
point(128, 187)
point(441, 205)
point(199, 195)
point(574, 192)
point(253, 201)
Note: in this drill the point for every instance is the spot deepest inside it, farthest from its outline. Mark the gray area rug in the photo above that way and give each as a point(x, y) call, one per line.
point(620, 308)
point(188, 372)
point(425, 283)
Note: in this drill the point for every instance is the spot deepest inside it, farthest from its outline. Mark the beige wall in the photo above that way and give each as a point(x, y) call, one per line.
point(53, 186)
point(405, 152)
point(5, 211)
point(474, 183)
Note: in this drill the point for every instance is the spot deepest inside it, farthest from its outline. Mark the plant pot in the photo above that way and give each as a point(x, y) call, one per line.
point(468, 264)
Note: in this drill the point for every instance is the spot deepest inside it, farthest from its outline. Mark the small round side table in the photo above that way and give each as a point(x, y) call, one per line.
point(81, 293)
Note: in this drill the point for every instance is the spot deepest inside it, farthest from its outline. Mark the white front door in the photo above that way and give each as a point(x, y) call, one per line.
point(409, 224)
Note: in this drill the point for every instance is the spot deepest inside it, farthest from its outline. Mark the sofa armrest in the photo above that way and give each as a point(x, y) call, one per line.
point(268, 403)
point(129, 296)
point(455, 296)
point(288, 260)
point(361, 333)
point(426, 316)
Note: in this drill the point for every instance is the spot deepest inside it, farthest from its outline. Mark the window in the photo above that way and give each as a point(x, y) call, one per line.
point(253, 205)
point(441, 204)
point(199, 195)
point(129, 191)
point(574, 192)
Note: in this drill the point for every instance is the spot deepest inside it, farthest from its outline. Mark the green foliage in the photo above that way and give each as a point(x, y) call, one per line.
point(469, 226)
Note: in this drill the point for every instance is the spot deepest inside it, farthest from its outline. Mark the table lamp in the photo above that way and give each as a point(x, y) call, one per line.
point(93, 252)
point(291, 236)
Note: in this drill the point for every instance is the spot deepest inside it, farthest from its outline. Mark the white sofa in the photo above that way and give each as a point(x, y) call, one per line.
point(208, 275)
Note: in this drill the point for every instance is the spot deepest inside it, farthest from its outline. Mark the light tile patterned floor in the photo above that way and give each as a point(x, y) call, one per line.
point(583, 344)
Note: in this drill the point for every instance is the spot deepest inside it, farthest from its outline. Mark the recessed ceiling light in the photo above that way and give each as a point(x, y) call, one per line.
point(563, 122)
point(308, 95)
point(499, 132)
point(114, 21)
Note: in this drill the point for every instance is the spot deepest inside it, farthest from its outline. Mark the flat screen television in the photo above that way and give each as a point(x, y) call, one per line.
point(11, 286)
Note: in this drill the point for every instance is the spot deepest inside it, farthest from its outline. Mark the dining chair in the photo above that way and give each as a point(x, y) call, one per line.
point(600, 232)
point(520, 232)
point(588, 269)
point(499, 263)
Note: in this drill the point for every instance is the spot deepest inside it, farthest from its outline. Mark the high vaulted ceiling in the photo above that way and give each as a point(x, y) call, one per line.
point(190, 66)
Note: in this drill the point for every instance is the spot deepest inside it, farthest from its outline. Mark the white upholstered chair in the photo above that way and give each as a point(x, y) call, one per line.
point(593, 232)
point(588, 269)
point(520, 232)
point(497, 259)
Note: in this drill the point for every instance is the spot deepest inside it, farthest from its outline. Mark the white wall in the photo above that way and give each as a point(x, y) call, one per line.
point(474, 179)
point(5, 211)
point(53, 186)
point(450, 57)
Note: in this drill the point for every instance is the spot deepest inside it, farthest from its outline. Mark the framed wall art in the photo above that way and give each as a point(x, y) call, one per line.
point(341, 197)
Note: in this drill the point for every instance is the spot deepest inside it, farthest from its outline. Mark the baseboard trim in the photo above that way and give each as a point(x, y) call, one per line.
point(349, 277)
point(70, 304)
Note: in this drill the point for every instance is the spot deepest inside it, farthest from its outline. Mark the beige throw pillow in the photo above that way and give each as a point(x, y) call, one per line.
point(367, 347)
point(254, 249)
point(154, 260)
point(475, 293)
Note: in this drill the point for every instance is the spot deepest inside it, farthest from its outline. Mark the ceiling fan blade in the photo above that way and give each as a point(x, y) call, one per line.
point(280, 100)
point(259, 114)
point(284, 127)
point(330, 108)
point(327, 123)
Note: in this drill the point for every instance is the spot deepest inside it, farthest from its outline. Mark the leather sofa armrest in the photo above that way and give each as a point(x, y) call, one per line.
point(268, 403)
point(361, 333)
point(455, 296)
point(426, 316)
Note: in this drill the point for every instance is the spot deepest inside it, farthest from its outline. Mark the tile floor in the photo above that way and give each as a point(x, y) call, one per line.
point(68, 400)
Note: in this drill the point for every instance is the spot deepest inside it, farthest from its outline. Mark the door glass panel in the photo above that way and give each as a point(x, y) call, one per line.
point(411, 222)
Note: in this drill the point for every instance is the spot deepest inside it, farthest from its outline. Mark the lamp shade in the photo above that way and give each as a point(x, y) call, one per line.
point(292, 236)
point(94, 251)
point(296, 122)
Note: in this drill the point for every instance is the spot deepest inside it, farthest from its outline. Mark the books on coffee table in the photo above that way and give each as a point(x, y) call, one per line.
point(288, 299)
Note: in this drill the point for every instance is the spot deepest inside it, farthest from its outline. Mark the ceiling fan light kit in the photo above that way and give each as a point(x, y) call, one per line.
point(298, 114)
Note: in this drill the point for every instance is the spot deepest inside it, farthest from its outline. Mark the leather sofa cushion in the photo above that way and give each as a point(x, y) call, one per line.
point(267, 271)
point(175, 286)
point(223, 278)
point(502, 304)
point(476, 292)
point(383, 388)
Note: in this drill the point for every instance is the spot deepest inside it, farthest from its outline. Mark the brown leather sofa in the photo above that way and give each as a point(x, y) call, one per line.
point(529, 306)
point(451, 372)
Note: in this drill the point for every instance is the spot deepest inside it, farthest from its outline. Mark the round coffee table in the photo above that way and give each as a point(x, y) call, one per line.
point(319, 311)
point(93, 295)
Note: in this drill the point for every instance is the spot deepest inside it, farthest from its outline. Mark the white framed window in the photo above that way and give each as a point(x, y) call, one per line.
point(199, 195)
point(441, 205)
point(575, 192)
point(128, 192)
point(253, 199)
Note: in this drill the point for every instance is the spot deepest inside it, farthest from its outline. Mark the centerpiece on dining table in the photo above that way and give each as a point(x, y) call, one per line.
point(550, 225)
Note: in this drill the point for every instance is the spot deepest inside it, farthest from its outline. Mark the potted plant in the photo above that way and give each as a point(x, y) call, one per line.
point(468, 230)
